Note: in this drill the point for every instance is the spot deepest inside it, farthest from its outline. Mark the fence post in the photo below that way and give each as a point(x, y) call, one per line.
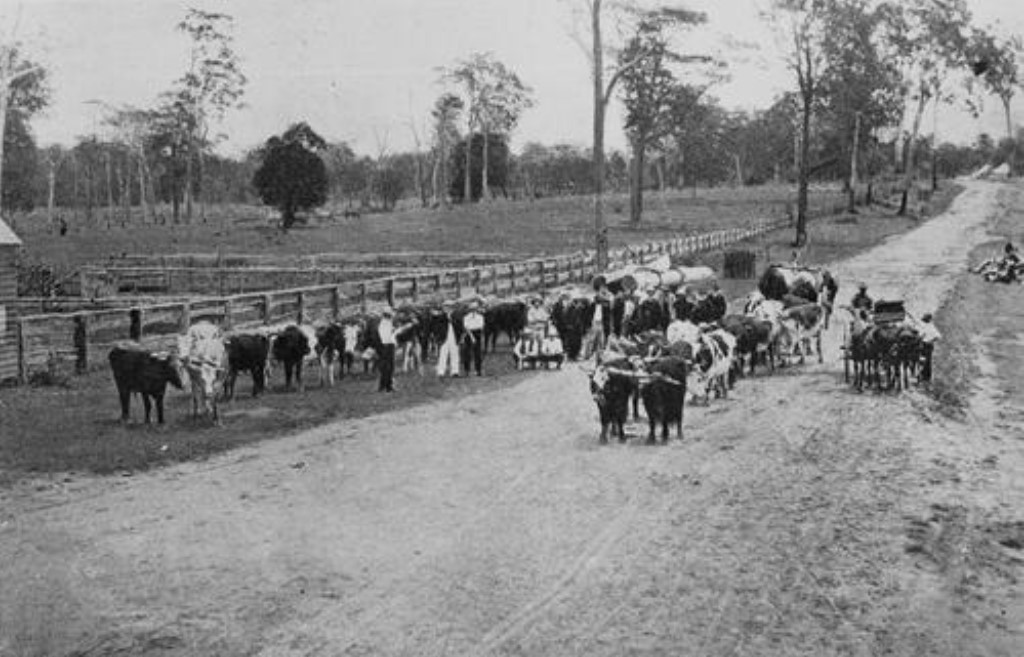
point(185, 321)
point(362, 297)
point(458, 285)
point(228, 322)
point(494, 280)
point(300, 313)
point(390, 289)
point(512, 277)
point(415, 289)
point(19, 331)
point(335, 302)
point(266, 308)
point(81, 341)
point(135, 324)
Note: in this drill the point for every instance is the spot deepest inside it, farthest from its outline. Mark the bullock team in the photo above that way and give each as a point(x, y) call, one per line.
point(662, 344)
point(673, 349)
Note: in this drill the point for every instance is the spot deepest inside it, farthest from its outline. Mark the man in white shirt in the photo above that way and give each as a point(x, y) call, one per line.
point(472, 339)
point(386, 363)
point(929, 336)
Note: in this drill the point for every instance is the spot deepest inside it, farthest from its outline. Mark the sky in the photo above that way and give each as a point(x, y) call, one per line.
point(367, 71)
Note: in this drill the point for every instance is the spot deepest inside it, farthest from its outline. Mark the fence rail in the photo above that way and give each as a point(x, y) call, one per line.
point(83, 337)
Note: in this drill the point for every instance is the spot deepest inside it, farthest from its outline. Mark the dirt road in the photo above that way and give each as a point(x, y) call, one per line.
point(796, 517)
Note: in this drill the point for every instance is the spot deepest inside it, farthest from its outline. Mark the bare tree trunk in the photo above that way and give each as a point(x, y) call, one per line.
point(739, 170)
point(636, 187)
point(600, 103)
point(804, 175)
point(484, 183)
point(110, 189)
point(188, 184)
point(51, 191)
point(142, 186)
point(853, 181)
point(909, 199)
point(1009, 133)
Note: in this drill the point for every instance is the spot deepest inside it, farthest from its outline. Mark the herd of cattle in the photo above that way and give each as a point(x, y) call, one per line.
point(663, 345)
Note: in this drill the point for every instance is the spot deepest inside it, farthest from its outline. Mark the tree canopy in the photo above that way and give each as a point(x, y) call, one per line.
point(292, 177)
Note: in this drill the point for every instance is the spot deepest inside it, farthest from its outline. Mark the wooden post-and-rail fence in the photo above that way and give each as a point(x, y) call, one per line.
point(83, 338)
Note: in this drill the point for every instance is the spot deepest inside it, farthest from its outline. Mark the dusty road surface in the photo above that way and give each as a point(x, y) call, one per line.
point(795, 518)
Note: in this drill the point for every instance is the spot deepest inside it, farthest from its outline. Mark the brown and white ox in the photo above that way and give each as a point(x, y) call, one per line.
point(816, 285)
point(802, 326)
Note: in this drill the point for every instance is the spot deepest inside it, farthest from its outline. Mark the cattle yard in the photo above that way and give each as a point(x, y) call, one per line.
point(72, 426)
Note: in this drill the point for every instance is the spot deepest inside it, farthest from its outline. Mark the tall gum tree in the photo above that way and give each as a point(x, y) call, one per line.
point(649, 86)
point(212, 85)
point(927, 40)
point(995, 61)
point(800, 26)
point(606, 70)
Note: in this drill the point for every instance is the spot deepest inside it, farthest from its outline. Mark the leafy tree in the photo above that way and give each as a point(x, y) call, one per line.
point(23, 92)
point(994, 61)
point(928, 42)
point(446, 115)
point(494, 98)
point(497, 163)
point(212, 85)
point(292, 177)
point(20, 170)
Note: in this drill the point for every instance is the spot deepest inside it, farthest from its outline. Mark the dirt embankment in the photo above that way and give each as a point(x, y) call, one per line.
point(796, 517)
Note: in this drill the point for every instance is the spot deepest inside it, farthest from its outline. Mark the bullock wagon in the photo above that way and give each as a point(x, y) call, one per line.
point(885, 313)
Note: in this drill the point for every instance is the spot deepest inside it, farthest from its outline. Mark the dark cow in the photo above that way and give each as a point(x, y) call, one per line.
point(753, 338)
point(611, 386)
point(709, 309)
point(570, 319)
point(246, 353)
point(508, 317)
point(138, 370)
point(330, 349)
point(290, 347)
point(664, 395)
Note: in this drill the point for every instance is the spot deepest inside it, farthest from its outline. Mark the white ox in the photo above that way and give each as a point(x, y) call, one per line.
point(204, 360)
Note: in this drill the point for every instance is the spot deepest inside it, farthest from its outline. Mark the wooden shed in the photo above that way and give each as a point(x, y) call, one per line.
point(9, 246)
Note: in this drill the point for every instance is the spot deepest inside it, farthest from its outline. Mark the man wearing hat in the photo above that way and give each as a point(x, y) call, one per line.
point(448, 354)
point(929, 336)
point(473, 338)
point(861, 301)
point(386, 363)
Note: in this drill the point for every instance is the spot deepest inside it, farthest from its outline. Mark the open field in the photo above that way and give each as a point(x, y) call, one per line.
point(518, 228)
point(75, 428)
point(797, 517)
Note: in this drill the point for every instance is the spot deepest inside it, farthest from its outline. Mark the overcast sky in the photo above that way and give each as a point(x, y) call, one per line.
point(363, 70)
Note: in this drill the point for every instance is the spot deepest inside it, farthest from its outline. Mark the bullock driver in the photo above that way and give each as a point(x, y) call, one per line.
point(861, 301)
point(929, 336)
point(386, 363)
point(600, 322)
point(472, 339)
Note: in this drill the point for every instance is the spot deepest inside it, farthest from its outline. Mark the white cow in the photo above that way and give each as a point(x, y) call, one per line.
point(204, 359)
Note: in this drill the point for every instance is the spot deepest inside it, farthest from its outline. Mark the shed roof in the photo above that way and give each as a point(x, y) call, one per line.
point(7, 236)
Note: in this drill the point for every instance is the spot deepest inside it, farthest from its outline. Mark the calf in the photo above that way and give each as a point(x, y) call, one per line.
point(139, 370)
point(664, 395)
point(247, 352)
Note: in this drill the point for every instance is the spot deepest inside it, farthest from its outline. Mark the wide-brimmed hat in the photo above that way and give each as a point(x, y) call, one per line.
point(862, 285)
